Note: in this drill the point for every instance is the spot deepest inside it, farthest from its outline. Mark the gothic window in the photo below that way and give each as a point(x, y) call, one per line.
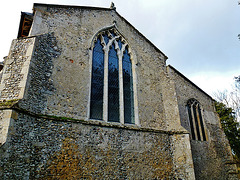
point(196, 120)
point(97, 81)
point(112, 95)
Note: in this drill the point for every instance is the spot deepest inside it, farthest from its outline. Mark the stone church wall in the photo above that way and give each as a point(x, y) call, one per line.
point(212, 158)
point(74, 35)
point(46, 131)
point(15, 71)
point(40, 148)
point(45, 126)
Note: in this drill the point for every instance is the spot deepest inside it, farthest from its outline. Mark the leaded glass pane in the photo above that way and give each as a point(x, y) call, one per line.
point(113, 33)
point(120, 44)
point(201, 123)
point(128, 89)
point(196, 122)
point(113, 89)
point(113, 86)
point(96, 103)
point(191, 121)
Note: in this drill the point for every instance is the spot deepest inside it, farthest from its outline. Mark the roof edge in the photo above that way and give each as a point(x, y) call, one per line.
point(184, 77)
point(107, 9)
point(70, 6)
point(156, 48)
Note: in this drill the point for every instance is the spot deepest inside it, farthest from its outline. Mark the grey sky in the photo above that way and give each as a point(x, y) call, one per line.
point(199, 37)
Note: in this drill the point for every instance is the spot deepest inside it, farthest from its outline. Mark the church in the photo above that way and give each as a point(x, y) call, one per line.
point(85, 95)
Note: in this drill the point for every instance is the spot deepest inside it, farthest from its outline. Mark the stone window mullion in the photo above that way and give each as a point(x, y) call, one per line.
point(199, 124)
point(105, 87)
point(120, 55)
point(196, 120)
point(204, 134)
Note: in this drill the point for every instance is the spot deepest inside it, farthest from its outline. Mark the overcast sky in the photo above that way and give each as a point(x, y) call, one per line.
point(199, 37)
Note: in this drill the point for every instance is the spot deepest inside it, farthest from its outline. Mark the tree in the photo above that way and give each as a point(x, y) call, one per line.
point(230, 126)
point(232, 98)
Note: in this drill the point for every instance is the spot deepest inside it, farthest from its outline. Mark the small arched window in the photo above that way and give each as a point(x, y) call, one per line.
point(112, 95)
point(196, 120)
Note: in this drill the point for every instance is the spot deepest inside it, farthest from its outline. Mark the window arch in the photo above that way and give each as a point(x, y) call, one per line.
point(112, 94)
point(196, 120)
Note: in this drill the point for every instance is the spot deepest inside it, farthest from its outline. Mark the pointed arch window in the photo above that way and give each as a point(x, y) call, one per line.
point(112, 95)
point(196, 120)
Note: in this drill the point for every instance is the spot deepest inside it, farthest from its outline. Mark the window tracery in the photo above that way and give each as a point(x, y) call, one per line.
point(112, 95)
point(196, 120)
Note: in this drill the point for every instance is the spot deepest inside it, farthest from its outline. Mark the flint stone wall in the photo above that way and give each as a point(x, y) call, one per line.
point(48, 138)
point(70, 70)
point(40, 148)
point(212, 158)
point(49, 134)
point(15, 71)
